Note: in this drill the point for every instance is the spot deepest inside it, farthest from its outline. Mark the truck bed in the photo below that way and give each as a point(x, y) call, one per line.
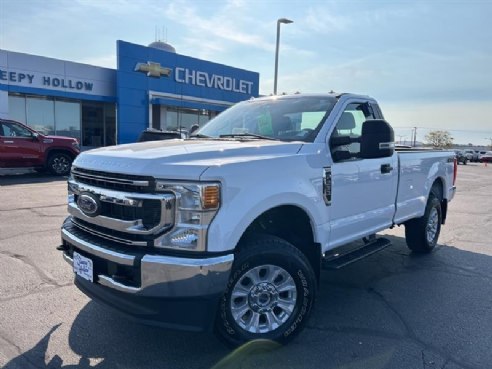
point(418, 170)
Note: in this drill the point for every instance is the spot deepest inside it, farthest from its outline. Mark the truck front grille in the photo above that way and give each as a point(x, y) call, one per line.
point(149, 212)
point(128, 239)
point(114, 181)
point(130, 218)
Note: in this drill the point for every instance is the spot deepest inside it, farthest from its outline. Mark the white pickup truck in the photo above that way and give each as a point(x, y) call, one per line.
point(229, 229)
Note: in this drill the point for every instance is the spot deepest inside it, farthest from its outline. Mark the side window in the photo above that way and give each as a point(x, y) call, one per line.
point(350, 124)
point(310, 120)
point(7, 131)
point(377, 111)
point(15, 130)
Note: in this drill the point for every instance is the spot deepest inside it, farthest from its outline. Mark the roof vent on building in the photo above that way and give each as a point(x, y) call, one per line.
point(161, 45)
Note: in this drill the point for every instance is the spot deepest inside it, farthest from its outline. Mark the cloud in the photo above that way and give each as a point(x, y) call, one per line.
point(221, 25)
point(398, 75)
point(322, 20)
point(107, 61)
point(234, 26)
point(112, 6)
point(345, 16)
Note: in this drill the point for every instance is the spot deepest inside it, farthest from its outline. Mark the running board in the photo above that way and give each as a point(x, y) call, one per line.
point(338, 261)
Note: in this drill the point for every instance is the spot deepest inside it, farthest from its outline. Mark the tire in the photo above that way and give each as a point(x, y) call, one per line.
point(422, 233)
point(465, 161)
point(274, 289)
point(59, 164)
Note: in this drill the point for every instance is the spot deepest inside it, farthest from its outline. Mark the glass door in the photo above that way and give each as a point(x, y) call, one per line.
point(92, 124)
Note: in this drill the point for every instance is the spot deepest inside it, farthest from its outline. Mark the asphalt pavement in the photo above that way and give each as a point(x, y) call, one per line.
point(391, 310)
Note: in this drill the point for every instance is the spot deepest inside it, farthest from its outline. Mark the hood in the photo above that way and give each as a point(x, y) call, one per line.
point(180, 159)
point(57, 138)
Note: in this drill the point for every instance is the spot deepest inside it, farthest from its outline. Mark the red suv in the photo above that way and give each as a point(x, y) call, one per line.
point(23, 147)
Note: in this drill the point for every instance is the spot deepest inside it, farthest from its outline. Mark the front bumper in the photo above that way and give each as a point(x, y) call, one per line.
point(165, 290)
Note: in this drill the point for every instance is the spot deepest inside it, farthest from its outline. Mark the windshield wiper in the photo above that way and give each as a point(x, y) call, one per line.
point(250, 135)
point(199, 135)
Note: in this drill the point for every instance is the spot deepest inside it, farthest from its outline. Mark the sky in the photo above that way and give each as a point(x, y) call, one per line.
point(428, 63)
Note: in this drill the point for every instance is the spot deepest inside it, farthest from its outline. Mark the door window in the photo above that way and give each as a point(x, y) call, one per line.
point(15, 130)
point(350, 125)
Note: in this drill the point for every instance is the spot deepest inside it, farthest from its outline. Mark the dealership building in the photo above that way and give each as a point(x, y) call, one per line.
point(152, 87)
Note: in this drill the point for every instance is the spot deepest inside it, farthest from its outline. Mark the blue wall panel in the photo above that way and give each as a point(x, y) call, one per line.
point(136, 97)
point(206, 80)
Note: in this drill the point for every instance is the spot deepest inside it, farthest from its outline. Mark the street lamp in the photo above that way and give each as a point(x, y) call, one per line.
point(285, 21)
point(489, 138)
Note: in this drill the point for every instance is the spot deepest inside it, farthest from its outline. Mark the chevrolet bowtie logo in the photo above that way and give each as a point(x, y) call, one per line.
point(153, 69)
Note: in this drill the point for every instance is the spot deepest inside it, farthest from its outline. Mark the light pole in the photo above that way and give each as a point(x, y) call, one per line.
point(285, 21)
point(489, 138)
point(414, 136)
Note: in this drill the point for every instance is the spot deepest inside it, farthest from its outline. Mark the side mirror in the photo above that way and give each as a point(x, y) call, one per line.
point(340, 141)
point(194, 128)
point(35, 136)
point(341, 156)
point(377, 139)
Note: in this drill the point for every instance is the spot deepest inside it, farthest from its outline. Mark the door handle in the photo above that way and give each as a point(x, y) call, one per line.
point(386, 168)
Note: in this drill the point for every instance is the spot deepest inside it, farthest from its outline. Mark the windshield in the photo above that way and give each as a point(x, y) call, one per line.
point(293, 118)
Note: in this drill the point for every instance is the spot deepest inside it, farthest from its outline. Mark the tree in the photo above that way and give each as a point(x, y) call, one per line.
point(439, 139)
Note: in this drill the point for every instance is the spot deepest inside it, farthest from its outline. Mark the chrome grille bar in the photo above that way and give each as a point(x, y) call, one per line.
point(109, 179)
point(106, 236)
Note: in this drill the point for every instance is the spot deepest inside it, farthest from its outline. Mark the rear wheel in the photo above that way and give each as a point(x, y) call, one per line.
point(59, 164)
point(422, 233)
point(269, 295)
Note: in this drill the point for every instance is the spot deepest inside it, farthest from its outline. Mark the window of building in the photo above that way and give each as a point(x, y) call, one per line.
point(109, 125)
point(174, 118)
point(40, 115)
point(17, 108)
point(67, 118)
point(98, 124)
point(92, 123)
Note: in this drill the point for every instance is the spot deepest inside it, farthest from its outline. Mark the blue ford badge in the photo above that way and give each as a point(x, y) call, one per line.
point(89, 204)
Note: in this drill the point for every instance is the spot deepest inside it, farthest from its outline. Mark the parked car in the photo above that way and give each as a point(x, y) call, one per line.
point(487, 157)
point(471, 155)
point(23, 147)
point(480, 155)
point(461, 157)
point(151, 134)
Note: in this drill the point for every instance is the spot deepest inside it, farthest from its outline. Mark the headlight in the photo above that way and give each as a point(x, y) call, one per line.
point(75, 145)
point(196, 206)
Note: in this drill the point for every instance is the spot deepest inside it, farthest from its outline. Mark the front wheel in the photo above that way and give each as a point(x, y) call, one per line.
point(421, 234)
point(269, 295)
point(59, 164)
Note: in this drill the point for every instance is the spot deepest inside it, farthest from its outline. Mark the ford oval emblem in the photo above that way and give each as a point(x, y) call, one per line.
point(89, 204)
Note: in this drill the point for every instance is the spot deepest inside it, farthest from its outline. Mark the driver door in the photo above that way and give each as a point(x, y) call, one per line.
point(363, 190)
point(19, 148)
